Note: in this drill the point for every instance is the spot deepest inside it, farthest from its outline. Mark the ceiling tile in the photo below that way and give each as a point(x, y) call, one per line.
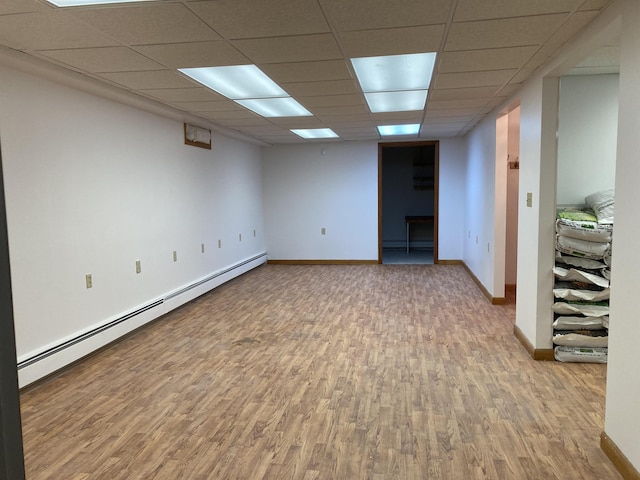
point(440, 127)
point(194, 54)
point(339, 110)
point(184, 94)
point(447, 120)
point(368, 130)
point(457, 103)
point(594, 4)
point(104, 59)
point(331, 100)
point(237, 122)
point(391, 41)
point(490, 59)
point(307, 71)
point(298, 122)
point(451, 112)
point(9, 7)
point(463, 93)
point(570, 28)
point(148, 24)
point(509, 32)
point(468, 10)
point(214, 106)
point(372, 14)
point(300, 48)
point(362, 119)
point(328, 87)
point(149, 80)
point(473, 79)
point(242, 114)
point(49, 31)
point(235, 19)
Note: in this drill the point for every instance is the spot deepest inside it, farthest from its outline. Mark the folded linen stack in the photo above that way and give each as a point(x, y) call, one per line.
point(582, 273)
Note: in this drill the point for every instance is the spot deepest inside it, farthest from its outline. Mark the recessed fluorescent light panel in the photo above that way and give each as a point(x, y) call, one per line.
point(396, 101)
point(78, 3)
point(315, 133)
point(248, 86)
point(408, 129)
point(236, 82)
point(275, 107)
point(407, 74)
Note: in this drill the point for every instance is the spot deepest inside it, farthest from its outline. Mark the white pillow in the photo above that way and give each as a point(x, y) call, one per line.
point(602, 204)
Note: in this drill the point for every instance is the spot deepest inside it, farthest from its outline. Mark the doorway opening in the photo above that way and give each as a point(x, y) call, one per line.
point(408, 203)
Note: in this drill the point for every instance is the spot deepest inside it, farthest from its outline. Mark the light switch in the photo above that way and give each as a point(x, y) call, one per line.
point(202, 247)
point(175, 256)
point(89, 280)
point(138, 266)
point(323, 231)
point(529, 199)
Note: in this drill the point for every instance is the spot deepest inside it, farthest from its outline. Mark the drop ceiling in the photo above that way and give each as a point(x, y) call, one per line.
point(486, 49)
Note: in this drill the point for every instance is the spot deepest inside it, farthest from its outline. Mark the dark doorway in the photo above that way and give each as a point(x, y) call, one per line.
point(408, 202)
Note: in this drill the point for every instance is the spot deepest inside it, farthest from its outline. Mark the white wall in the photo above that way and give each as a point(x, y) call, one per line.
point(622, 422)
point(305, 191)
point(479, 204)
point(91, 187)
point(451, 195)
point(587, 136)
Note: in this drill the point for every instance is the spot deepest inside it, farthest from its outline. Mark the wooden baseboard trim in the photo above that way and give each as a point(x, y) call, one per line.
point(619, 460)
point(542, 354)
point(510, 287)
point(485, 292)
point(449, 262)
point(322, 262)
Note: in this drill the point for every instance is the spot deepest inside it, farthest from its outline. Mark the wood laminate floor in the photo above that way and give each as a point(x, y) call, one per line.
point(322, 372)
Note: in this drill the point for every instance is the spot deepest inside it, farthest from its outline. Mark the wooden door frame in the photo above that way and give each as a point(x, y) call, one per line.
point(421, 143)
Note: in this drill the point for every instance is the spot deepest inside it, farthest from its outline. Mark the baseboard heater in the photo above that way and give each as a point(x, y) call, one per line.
point(85, 336)
point(80, 338)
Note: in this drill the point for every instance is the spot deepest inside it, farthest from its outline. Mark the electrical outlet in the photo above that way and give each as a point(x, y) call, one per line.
point(202, 248)
point(323, 231)
point(239, 237)
point(138, 266)
point(89, 280)
point(529, 199)
point(219, 243)
point(254, 233)
point(175, 256)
